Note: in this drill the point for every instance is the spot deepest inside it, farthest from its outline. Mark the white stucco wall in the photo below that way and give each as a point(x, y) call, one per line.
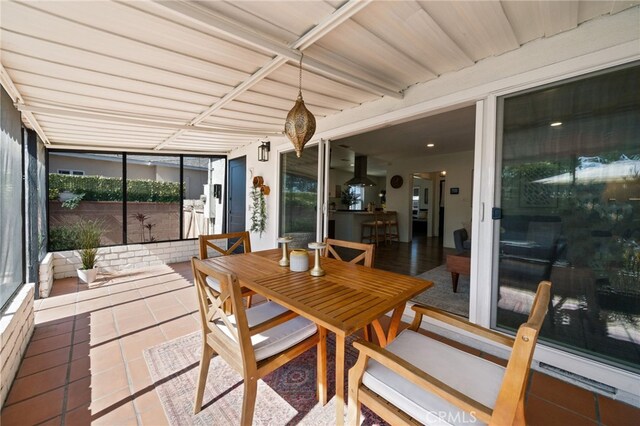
point(457, 207)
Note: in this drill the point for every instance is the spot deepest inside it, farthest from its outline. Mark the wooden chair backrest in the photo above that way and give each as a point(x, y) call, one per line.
point(512, 392)
point(367, 255)
point(208, 241)
point(236, 349)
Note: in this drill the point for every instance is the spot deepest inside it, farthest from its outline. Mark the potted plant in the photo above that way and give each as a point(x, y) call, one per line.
point(89, 234)
point(349, 198)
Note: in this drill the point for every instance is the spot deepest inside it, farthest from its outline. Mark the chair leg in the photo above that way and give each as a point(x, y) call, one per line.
point(248, 302)
point(355, 379)
point(249, 400)
point(207, 354)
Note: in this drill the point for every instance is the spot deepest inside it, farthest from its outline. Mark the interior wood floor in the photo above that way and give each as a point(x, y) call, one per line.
point(418, 256)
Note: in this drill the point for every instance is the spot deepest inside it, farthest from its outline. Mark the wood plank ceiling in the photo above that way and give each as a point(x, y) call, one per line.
point(209, 77)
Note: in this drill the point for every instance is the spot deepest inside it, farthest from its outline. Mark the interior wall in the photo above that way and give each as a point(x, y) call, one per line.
point(459, 168)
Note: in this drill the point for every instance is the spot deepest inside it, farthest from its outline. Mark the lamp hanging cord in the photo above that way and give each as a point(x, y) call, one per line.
point(300, 76)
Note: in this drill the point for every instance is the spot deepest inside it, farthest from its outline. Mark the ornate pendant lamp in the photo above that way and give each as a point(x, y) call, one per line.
point(300, 124)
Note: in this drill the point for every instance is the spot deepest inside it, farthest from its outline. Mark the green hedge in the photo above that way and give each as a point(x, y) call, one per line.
point(99, 188)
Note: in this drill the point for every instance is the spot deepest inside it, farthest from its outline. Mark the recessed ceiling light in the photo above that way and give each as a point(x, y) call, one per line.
point(351, 164)
point(556, 124)
point(430, 145)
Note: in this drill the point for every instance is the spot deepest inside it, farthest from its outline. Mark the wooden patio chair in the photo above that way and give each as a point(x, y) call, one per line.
point(366, 256)
point(243, 240)
point(209, 241)
point(253, 341)
point(418, 380)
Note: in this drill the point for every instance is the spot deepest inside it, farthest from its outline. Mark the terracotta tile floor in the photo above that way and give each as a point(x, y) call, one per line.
point(84, 363)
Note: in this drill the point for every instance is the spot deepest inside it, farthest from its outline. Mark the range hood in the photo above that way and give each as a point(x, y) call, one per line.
point(360, 173)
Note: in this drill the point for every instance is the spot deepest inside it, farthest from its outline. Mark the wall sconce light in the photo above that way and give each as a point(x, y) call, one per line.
point(263, 151)
point(443, 173)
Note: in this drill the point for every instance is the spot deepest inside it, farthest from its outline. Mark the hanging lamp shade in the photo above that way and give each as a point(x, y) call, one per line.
point(300, 124)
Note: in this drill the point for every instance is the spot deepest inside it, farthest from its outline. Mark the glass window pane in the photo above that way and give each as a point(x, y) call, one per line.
point(571, 213)
point(299, 192)
point(153, 198)
point(203, 207)
point(96, 195)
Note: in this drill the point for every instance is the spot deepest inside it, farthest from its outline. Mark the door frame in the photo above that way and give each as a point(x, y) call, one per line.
point(322, 216)
point(227, 221)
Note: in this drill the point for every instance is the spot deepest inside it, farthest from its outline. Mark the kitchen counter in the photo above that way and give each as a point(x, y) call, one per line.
point(349, 224)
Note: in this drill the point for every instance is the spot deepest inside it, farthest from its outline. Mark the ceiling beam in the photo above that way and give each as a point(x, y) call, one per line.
point(283, 53)
point(15, 95)
point(212, 22)
point(114, 118)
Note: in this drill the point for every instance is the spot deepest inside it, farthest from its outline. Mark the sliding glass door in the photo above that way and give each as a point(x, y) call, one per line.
point(299, 196)
point(570, 199)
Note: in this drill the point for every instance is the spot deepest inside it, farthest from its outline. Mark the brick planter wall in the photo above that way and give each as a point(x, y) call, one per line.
point(45, 275)
point(132, 256)
point(16, 327)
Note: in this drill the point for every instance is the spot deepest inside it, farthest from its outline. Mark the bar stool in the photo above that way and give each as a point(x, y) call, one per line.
point(391, 226)
point(377, 229)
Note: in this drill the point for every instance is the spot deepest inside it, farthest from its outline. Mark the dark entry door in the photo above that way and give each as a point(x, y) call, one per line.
point(236, 207)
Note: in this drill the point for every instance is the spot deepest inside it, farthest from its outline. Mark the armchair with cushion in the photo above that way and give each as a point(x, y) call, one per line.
point(252, 341)
point(416, 379)
point(462, 241)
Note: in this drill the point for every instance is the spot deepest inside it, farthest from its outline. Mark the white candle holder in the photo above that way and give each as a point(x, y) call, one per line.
point(317, 271)
point(285, 253)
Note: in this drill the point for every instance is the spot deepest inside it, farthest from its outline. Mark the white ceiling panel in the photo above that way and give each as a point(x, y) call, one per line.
point(480, 28)
point(381, 59)
point(525, 18)
point(283, 21)
point(15, 45)
point(284, 104)
point(559, 16)
point(216, 75)
point(410, 30)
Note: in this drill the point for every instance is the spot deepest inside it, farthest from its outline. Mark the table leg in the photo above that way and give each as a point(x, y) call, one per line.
point(340, 346)
point(395, 322)
point(322, 366)
point(454, 281)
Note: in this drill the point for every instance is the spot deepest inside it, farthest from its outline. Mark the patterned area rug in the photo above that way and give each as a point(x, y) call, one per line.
point(285, 397)
point(441, 295)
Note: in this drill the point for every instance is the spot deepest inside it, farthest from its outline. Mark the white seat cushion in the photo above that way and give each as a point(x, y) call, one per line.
point(473, 376)
point(275, 339)
point(213, 283)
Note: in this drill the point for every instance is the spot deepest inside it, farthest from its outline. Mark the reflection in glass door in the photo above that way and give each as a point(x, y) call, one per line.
point(570, 202)
point(299, 196)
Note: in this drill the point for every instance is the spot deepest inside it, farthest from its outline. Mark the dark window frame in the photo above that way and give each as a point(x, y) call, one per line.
point(124, 155)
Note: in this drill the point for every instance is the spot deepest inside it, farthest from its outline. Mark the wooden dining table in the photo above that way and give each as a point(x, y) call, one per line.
point(346, 299)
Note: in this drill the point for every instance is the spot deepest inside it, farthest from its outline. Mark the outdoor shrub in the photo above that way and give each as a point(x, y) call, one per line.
point(100, 188)
point(63, 237)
